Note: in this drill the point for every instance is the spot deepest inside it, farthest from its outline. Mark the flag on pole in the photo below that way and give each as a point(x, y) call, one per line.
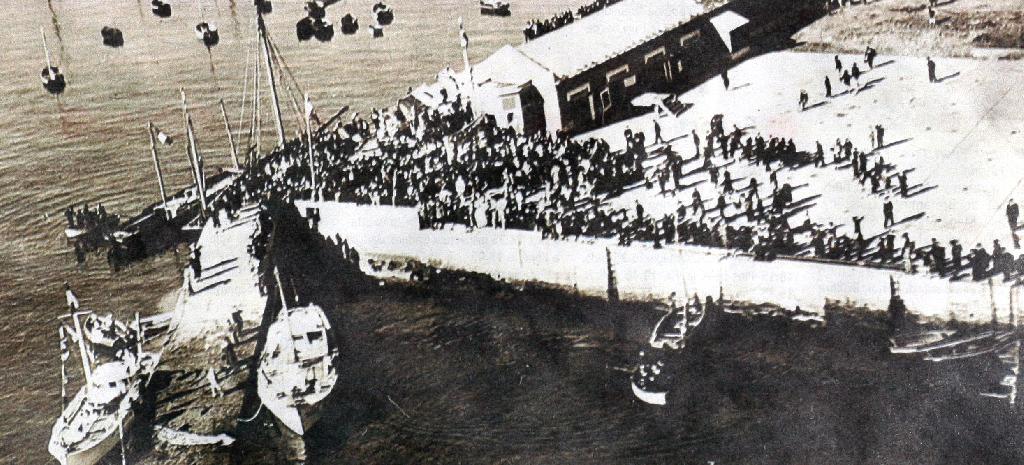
point(309, 107)
point(163, 137)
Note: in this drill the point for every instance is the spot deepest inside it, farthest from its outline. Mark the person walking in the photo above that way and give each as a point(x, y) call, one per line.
point(828, 87)
point(855, 73)
point(725, 79)
point(931, 70)
point(839, 64)
point(72, 299)
point(803, 99)
point(657, 133)
point(1012, 213)
point(887, 213)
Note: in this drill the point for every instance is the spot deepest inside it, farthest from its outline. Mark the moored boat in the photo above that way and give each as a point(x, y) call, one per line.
point(96, 418)
point(298, 367)
point(672, 328)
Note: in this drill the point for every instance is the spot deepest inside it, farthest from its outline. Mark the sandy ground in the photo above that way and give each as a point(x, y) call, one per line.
point(963, 28)
point(960, 139)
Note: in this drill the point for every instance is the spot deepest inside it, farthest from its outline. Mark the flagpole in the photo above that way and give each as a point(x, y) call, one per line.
point(309, 145)
point(464, 42)
point(159, 173)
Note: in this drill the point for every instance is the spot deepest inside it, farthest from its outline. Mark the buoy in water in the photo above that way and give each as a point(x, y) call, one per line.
point(112, 36)
point(207, 33)
point(349, 25)
point(385, 15)
point(161, 9)
point(264, 6)
point(53, 80)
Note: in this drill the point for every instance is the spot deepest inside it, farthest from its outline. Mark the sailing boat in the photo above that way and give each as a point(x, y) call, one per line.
point(95, 419)
point(53, 79)
point(298, 366)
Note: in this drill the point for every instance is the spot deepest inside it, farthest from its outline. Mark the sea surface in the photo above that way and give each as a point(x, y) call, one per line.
point(90, 144)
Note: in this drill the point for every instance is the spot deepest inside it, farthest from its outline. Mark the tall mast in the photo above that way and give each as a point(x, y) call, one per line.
point(81, 348)
point(265, 43)
point(199, 166)
point(255, 127)
point(193, 156)
point(284, 311)
point(231, 138)
point(159, 173)
point(49, 66)
point(309, 145)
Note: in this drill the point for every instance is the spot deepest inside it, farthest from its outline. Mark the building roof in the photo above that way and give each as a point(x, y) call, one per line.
point(507, 66)
point(726, 22)
point(608, 33)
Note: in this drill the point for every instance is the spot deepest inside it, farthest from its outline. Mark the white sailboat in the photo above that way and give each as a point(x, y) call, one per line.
point(298, 366)
point(99, 413)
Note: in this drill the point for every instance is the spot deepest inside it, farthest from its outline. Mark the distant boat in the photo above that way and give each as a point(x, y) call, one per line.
point(53, 79)
point(161, 9)
point(323, 30)
point(316, 10)
point(647, 382)
point(112, 37)
point(494, 8)
point(207, 33)
point(298, 367)
point(384, 14)
point(349, 25)
point(308, 28)
point(264, 6)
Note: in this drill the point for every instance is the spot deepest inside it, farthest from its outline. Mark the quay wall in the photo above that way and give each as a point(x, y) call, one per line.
point(645, 273)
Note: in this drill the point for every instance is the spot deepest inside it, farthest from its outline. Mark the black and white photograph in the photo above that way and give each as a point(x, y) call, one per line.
point(497, 232)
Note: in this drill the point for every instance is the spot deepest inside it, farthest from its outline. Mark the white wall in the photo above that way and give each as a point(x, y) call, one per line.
point(644, 272)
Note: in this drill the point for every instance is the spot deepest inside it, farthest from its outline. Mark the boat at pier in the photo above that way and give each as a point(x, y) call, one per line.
point(671, 330)
point(96, 418)
point(298, 367)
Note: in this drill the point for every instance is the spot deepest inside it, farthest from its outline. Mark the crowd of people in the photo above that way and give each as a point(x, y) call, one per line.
point(537, 28)
point(456, 168)
point(87, 218)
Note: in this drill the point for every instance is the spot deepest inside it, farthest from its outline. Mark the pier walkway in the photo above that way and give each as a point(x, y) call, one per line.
point(206, 341)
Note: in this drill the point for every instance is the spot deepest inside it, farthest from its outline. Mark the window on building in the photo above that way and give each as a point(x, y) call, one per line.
point(629, 81)
point(509, 102)
point(689, 39)
point(658, 54)
point(617, 73)
point(579, 92)
point(606, 99)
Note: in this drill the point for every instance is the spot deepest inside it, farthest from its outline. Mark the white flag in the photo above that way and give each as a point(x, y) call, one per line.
point(163, 137)
point(309, 107)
